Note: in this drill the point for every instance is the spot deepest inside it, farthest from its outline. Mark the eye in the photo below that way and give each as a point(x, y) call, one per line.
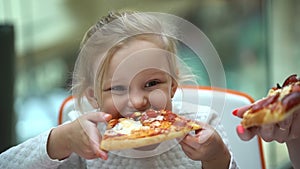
point(117, 89)
point(152, 83)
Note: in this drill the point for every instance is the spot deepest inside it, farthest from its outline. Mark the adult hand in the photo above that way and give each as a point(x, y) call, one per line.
point(283, 131)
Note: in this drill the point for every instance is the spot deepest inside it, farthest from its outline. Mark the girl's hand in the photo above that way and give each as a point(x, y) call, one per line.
point(206, 145)
point(80, 136)
point(281, 132)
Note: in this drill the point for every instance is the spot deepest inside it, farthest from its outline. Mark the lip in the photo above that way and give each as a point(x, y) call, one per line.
point(130, 112)
point(127, 114)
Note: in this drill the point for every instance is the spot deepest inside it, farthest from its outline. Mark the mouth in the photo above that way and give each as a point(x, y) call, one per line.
point(127, 114)
point(130, 112)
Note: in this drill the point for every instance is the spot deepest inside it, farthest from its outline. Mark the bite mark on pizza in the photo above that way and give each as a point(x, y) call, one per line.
point(145, 128)
point(279, 104)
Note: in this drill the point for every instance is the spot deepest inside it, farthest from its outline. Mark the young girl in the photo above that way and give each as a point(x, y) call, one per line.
point(127, 63)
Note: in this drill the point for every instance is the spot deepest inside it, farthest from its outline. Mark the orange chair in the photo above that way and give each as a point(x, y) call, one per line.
point(248, 154)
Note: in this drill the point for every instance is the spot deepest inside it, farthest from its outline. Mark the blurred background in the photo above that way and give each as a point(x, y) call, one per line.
point(257, 41)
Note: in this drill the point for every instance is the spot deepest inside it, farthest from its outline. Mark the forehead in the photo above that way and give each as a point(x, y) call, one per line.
point(137, 56)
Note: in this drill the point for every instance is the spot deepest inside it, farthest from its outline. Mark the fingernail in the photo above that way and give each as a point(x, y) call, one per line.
point(102, 155)
point(235, 112)
point(107, 116)
point(240, 129)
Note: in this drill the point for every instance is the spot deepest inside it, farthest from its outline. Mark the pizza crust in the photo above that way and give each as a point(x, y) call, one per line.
point(125, 143)
point(264, 116)
point(268, 116)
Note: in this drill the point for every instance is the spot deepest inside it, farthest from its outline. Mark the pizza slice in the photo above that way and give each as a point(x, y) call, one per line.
point(280, 103)
point(145, 128)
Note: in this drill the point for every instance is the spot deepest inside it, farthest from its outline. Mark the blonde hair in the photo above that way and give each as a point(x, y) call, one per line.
point(104, 38)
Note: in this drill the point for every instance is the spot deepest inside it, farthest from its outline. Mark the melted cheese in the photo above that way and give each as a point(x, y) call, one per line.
point(126, 126)
point(159, 118)
point(285, 91)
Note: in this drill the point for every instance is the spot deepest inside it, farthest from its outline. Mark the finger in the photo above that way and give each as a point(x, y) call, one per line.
point(204, 135)
point(95, 139)
point(297, 111)
point(281, 134)
point(239, 112)
point(285, 124)
point(295, 127)
point(245, 134)
point(266, 132)
point(185, 141)
point(187, 149)
point(282, 130)
point(93, 136)
point(100, 153)
point(96, 117)
point(191, 141)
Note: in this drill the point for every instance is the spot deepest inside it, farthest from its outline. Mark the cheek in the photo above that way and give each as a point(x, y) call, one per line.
point(160, 99)
point(113, 105)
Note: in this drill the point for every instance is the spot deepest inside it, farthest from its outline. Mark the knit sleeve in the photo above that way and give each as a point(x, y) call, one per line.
point(33, 154)
point(29, 154)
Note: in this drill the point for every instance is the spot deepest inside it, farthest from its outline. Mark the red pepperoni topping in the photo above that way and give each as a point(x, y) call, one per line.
point(179, 123)
point(144, 117)
point(296, 88)
point(170, 117)
point(291, 79)
point(291, 100)
point(264, 102)
point(151, 113)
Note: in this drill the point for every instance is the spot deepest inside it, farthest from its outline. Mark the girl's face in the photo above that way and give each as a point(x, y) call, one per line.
point(137, 79)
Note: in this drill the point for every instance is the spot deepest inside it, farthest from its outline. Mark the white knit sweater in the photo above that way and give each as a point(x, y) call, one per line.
point(32, 154)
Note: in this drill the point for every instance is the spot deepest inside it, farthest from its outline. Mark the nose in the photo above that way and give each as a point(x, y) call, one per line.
point(138, 100)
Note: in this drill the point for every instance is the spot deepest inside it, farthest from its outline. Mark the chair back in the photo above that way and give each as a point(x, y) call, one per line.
point(248, 154)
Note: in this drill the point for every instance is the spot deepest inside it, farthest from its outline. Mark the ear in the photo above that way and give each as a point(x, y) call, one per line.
point(90, 96)
point(173, 87)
